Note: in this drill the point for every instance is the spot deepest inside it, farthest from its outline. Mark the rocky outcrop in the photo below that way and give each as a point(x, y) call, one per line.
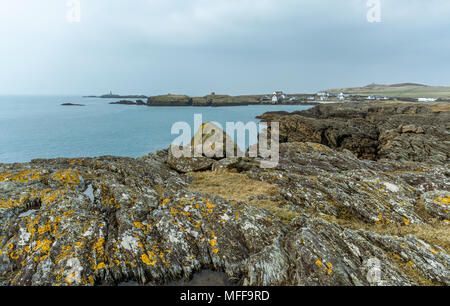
point(208, 145)
point(212, 100)
point(110, 220)
point(314, 177)
point(215, 143)
point(430, 261)
point(407, 132)
point(72, 104)
point(169, 100)
point(437, 204)
point(125, 102)
point(113, 220)
point(328, 255)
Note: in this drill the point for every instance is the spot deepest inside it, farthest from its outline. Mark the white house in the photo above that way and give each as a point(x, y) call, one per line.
point(378, 98)
point(427, 100)
point(278, 96)
point(323, 96)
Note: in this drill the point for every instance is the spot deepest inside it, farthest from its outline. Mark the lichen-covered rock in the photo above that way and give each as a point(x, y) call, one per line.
point(326, 254)
point(137, 227)
point(437, 204)
point(112, 220)
point(372, 131)
point(411, 128)
point(238, 164)
point(226, 163)
point(188, 164)
point(421, 177)
point(314, 177)
point(431, 261)
point(211, 141)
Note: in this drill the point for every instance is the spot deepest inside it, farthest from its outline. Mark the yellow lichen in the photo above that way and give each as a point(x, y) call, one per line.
point(67, 177)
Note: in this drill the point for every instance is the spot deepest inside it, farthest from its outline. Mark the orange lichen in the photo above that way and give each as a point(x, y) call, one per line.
point(67, 177)
point(406, 221)
point(149, 259)
point(42, 247)
point(21, 177)
point(328, 266)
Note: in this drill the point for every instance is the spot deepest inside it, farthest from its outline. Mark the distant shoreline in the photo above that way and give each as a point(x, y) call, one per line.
point(212, 100)
point(277, 98)
point(118, 97)
point(131, 103)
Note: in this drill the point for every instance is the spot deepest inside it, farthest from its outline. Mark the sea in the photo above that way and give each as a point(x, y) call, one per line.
point(39, 127)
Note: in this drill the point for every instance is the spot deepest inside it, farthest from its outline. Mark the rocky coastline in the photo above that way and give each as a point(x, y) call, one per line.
point(210, 100)
point(361, 196)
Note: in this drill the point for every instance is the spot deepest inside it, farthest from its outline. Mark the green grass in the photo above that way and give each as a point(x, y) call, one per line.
point(178, 100)
point(220, 100)
point(400, 91)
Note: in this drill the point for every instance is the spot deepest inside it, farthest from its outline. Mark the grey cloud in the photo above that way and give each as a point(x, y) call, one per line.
point(232, 46)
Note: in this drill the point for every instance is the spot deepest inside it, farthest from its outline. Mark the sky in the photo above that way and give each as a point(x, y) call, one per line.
point(234, 47)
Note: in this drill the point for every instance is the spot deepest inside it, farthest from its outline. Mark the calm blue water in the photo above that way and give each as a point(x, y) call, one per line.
point(38, 127)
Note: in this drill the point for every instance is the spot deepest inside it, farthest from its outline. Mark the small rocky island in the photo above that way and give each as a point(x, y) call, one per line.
point(72, 104)
point(128, 102)
point(361, 196)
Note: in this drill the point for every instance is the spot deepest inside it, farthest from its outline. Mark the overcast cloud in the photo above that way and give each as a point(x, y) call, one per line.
point(226, 46)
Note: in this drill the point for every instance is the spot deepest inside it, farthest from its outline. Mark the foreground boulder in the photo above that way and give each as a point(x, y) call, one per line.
point(214, 142)
point(208, 145)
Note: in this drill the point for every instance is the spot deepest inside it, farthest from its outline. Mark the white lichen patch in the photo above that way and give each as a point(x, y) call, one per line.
point(129, 243)
point(90, 193)
point(27, 213)
point(73, 273)
point(391, 187)
point(249, 226)
point(355, 250)
point(24, 236)
point(125, 197)
point(88, 233)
